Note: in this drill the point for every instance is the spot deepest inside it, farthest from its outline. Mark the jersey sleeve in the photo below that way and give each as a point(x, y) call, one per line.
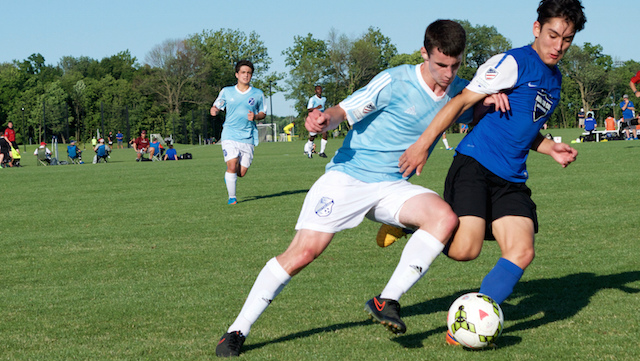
point(369, 99)
point(220, 102)
point(498, 73)
point(636, 78)
point(310, 103)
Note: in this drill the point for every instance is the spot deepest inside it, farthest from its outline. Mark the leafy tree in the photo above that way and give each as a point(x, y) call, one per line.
point(483, 42)
point(176, 68)
point(309, 65)
point(413, 58)
point(221, 50)
point(589, 69)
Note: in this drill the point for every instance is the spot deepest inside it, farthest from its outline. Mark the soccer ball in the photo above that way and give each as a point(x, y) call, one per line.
point(475, 320)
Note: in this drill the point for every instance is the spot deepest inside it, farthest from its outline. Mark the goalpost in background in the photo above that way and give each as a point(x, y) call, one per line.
point(267, 132)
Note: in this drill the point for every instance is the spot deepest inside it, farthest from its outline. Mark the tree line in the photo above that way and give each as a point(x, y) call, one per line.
point(172, 90)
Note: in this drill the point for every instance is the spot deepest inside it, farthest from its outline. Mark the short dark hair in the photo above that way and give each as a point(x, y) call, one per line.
point(447, 36)
point(570, 10)
point(244, 63)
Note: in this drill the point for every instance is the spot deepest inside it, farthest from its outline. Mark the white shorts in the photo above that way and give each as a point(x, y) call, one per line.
point(338, 201)
point(232, 150)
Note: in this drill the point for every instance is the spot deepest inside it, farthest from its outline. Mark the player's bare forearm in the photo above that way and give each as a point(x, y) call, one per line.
point(214, 111)
point(415, 157)
point(562, 153)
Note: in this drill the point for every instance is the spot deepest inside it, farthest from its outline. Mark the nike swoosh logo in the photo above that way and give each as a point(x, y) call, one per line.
point(221, 341)
point(379, 305)
point(531, 85)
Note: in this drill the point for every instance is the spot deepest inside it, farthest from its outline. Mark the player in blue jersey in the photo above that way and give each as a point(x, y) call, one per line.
point(364, 180)
point(486, 182)
point(244, 105)
point(317, 101)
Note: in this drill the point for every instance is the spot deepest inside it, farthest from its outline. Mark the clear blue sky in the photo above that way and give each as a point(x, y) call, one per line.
point(100, 29)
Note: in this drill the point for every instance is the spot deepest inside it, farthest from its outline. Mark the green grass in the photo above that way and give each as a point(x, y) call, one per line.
point(145, 261)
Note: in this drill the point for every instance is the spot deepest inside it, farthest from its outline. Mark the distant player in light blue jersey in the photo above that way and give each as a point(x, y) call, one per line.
point(244, 105)
point(317, 101)
point(364, 180)
point(486, 182)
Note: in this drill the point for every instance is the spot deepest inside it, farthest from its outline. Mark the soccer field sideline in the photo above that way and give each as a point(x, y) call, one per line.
point(131, 260)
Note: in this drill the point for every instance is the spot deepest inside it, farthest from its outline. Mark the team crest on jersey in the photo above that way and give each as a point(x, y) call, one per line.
point(358, 114)
point(324, 207)
point(369, 108)
point(252, 101)
point(544, 104)
point(491, 74)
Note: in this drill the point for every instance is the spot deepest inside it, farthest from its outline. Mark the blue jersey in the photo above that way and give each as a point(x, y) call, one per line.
point(589, 124)
point(501, 142)
point(388, 115)
point(238, 104)
point(314, 101)
point(627, 113)
point(171, 154)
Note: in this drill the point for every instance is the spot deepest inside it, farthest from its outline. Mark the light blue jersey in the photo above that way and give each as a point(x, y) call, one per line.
point(238, 104)
point(314, 101)
point(388, 115)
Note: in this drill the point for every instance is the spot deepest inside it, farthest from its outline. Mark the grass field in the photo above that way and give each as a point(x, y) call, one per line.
point(145, 261)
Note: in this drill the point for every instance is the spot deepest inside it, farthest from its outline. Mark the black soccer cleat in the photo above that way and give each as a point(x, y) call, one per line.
point(230, 344)
point(386, 312)
point(322, 155)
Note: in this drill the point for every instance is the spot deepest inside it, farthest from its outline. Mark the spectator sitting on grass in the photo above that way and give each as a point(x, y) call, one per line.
point(171, 153)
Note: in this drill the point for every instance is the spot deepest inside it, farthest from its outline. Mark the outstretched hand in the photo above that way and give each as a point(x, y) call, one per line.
point(563, 153)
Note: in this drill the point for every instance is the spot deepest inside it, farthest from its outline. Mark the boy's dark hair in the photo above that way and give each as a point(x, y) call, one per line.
point(447, 36)
point(570, 10)
point(244, 63)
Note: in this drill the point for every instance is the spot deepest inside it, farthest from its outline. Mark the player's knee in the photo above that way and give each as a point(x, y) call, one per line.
point(462, 254)
point(526, 257)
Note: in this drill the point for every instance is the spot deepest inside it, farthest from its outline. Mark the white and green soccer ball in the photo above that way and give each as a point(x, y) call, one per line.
point(475, 320)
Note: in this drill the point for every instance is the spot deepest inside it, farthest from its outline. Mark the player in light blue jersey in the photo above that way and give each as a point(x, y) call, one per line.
point(244, 105)
point(364, 180)
point(486, 182)
point(317, 101)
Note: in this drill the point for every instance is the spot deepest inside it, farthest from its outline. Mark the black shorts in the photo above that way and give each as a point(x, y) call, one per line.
point(473, 190)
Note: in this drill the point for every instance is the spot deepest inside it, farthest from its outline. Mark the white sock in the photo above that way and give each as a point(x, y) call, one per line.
point(446, 143)
point(308, 147)
point(420, 251)
point(230, 180)
point(267, 286)
point(323, 145)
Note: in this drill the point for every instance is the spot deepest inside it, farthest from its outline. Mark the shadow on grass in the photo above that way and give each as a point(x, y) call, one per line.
point(308, 333)
point(281, 194)
point(551, 299)
point(540, 302)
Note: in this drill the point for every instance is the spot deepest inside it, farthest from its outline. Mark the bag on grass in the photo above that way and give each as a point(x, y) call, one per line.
point(185, 156)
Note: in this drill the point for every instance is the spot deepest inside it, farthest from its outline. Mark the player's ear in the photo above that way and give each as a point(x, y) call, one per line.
point(537, 28)
point(424, 53)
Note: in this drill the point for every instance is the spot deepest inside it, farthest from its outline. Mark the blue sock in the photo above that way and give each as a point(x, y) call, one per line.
point(498, 284)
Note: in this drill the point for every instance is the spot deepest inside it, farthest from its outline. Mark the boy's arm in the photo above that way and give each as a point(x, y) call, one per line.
point(415, 157)
point(562, 153)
